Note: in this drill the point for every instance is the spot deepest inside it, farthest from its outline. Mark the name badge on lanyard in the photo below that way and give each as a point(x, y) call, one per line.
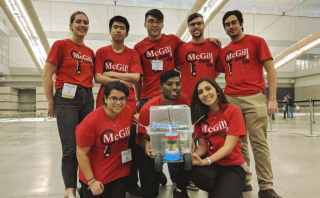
point(69, 90)
point(126, 156)
point(157, 64)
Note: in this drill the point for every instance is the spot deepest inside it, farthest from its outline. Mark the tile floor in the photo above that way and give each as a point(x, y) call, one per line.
point(30, 154)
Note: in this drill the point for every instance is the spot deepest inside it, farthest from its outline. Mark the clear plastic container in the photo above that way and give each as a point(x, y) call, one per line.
point(166, 120)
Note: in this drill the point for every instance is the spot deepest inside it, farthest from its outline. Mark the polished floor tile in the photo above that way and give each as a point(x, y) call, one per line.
point(30, 155)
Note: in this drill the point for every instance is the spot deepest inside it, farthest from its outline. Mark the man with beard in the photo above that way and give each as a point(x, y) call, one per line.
point(243, 60)
point(116, 62)
point(198, 58)
point(170, 87)
point(157, 55)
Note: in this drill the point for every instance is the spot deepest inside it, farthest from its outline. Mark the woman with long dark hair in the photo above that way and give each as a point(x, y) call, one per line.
point(72, 63)
point(220, 168)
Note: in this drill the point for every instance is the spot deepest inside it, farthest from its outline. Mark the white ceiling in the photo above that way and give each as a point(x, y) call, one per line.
point(265, 19)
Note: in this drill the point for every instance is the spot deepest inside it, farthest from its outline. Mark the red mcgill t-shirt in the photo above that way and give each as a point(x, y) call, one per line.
point(243, 67)
point(195, 61)
point(107, 142)
point(127, 61)
point(73, 67)
point(162, 49)
point(144, 116)
point(219, 125)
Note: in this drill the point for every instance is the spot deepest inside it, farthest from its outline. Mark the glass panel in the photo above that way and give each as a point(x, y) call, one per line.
point(5, 61)
point(307, 64)
point(298, 63)
point(5, 53)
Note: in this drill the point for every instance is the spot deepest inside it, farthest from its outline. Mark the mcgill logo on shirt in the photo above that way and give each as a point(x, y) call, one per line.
point(119, 67)
point(222, 125)
point(86, 59)
point(192, 57)
point(238, 55)
point(109, 137)
point(164, 52)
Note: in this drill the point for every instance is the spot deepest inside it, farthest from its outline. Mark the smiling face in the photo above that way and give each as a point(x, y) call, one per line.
point(118, 31)
point(196, 27)
point(154, 26)
point(80, 25)
point(115, 102)
point(208, 94)
point(232, 26)
point(171, 88)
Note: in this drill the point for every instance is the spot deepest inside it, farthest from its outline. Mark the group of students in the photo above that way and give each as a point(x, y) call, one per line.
point(100, 140)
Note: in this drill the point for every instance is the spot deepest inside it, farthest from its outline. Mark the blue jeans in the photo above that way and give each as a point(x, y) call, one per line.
point(70, 112)
point(290, 112)
point(143, 101)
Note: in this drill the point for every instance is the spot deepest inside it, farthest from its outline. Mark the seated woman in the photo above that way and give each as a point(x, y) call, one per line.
point(102, 145)
point(220, 167)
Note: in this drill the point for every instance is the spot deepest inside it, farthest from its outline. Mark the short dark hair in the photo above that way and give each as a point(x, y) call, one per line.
point(194, 16)
point(167, 75)
point(120, 19)
point(198, 109)
point(155, 13)
point(117, 85)
point(236, 13)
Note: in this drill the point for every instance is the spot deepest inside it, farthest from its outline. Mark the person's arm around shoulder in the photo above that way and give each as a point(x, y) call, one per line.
point(96, 186)
point(272, 83)
point(49, 70)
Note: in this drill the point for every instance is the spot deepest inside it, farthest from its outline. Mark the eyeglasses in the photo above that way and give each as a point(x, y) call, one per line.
point(151, 21)
point(115, 99)
point(196, 23)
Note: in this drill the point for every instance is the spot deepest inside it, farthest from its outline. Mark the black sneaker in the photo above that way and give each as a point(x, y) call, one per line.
point(270, 193)
point(180, 194)
point(134, 190)
point(247, 188)
point(162, 179)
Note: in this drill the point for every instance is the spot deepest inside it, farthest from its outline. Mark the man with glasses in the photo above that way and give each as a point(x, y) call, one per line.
point(198, 58)
point(157, 55)
point(244, 59)
point(116, 62)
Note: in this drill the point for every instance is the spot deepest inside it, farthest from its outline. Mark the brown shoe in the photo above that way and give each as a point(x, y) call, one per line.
point(269, 193)
point(247, 188)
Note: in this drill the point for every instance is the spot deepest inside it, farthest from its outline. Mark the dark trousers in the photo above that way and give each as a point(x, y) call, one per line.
point(173, 167)
point(219, 181)
point(143, 101)
point(113, 189)
point(70, 112)
point(149, 178)
point(284, 114)
point(133, 177)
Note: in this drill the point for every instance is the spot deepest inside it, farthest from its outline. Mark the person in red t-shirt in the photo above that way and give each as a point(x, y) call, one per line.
point(72, 63)
point(170, 88)
point(221, 170)
point(117, 62)
point(243, 60)
point(197, 58)
point(157, 53)
point(102, 139)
